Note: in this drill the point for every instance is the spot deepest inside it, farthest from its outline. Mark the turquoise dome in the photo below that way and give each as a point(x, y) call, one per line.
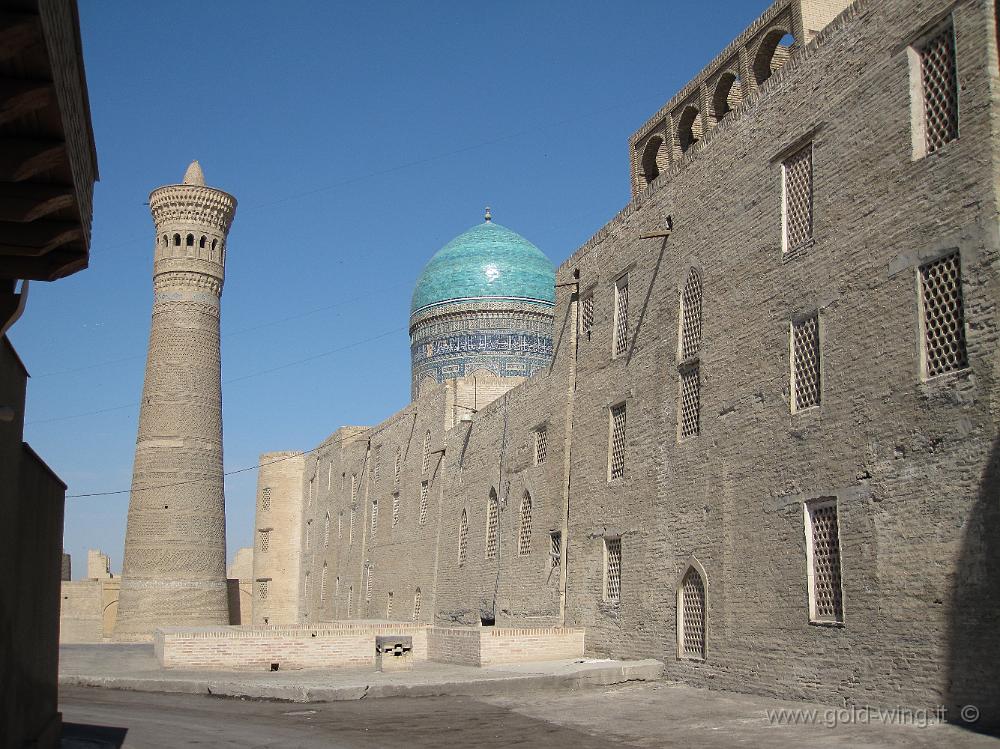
point(489, 261)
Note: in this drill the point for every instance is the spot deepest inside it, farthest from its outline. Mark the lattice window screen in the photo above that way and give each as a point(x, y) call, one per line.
point(798, 177)
point(265, 499)
point(423, 502)
point(350, 601)
point(340, 525)
point(374, 517)
point(427, 452)
point(262, 590)
point(396, 467)
point(612, 569)
point(326, 530)
point(369, 583)
point(395, 509)
point(806, 362)
point(943, 316)
point(309, 534)
point(463, 538)
point(322, 584)
point(587, 315)
point(492, 527)
point(541, 445)
point(388, 606)
point(617, 457)
point(824, 539)
point(691, 316)
point(524, 536)
point(416, 605)
point(939, 78)
point(376, 465)
point(306, 589)
point(693, 615)
point(354, 487)
point(621, 316)
point(555, 549)
point(690, 411)
point(353, 513)
point(265, 540)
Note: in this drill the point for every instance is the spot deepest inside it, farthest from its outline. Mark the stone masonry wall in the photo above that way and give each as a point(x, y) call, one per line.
point(913, 463)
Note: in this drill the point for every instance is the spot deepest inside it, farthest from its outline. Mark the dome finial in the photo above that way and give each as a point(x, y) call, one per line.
point(489, 216)
point(194, 175)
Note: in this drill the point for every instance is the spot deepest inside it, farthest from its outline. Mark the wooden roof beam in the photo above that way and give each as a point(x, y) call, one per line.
point(19, 98)
point(37, 237)
point(18, 32)
point(22, 159)
point(29, 201)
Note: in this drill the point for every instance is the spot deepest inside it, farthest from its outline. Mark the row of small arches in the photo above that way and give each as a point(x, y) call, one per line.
point(189, 241)
point(772, 53)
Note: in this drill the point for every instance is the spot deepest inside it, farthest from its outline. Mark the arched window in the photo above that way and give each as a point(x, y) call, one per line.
point(214, 242)
point(201, 242)
point(654, 158)
point(177, 240)
point(416, 605)
point(492, 525)
point(690, 333)
point(524, 535)
point(691, 612)
point(427, 451)
point(166, 240)
point(463, 538)
point(689, 128)
point(728, 95)
point(190, 240)
point(773, 52)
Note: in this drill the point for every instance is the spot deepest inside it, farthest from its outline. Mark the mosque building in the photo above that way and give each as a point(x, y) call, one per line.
point(484, 302)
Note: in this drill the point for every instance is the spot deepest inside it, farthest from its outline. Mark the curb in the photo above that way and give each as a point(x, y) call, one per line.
point(590, 675)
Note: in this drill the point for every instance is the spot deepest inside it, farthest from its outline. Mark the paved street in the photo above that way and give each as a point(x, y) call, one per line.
point(634, 715)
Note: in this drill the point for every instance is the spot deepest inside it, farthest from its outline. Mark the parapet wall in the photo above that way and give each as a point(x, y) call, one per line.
point(352, 645)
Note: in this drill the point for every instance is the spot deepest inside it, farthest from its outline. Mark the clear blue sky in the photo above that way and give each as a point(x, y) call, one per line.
point(358, 138)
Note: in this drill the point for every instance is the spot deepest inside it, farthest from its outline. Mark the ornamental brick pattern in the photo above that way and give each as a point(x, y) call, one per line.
point(174, 569)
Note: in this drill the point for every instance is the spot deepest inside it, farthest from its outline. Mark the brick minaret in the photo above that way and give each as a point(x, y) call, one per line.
point(174, 570)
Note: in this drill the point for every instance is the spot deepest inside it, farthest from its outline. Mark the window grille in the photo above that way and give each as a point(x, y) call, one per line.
point(265, 540)
point(463, 538)
point(265, 499)
point(388, 605)
point(587, 315)
point(806, 363)
point(416, 604)
point(692, 614)
point(798, 188)
point(691, 316)
point(621, 316)
point(690, 401)
point(326, 530)
point(612, 569)
point(395, 509)
point(616, 459)
point(492, 526)
point(939, 79)
point(322, 584)
point(427, 451)
point(374, 517)
point(823, 536)
point(423, 502)
point(541, 445)
point(262, 590)
point(524, 536)
point(396, 467)
point(555, 549)
point(943, 314)
point(354, 487)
